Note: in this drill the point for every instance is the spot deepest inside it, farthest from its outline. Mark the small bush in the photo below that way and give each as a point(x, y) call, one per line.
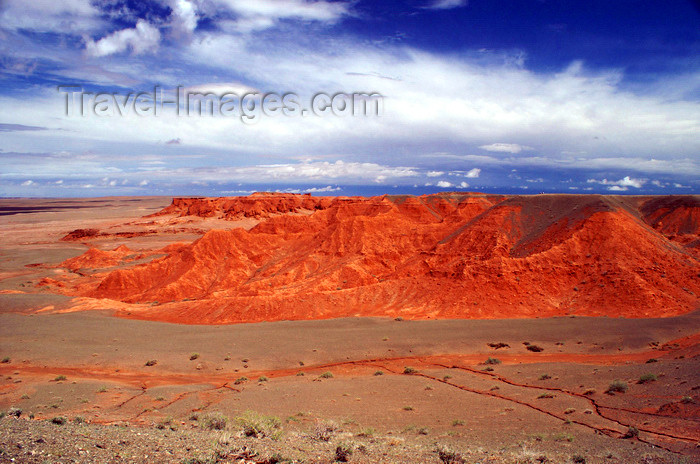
point(409, 370)
point(589, 391)
point(262, 378)
point(499, 345)
point(379, 373)
point(449, 456)
point(194, 356)
point(151, 362)
point(457, 423)
point(545, 396)
point(323, 431)
point(408, 408)
point(652, 360)
point(78, 420)
point(102, 389)
point(447, 377)
point(687, 400)
point(545, 377)
point(326, 375)
point(491, 360)
point(14, 412)
point(563, 437)
point(60, 378)
point(632, 432)
point(646, 378)
point(578, 459)
point(343, 452)
point(300, 374)
point(569, 411)
point(59, 420)
point(535, 348)
point(240, 380)
point(423, 431)
point(487, 369)
point(5, 360)
point(257, 425)
point(617, 386)
point(367, 432)
point(215, 421)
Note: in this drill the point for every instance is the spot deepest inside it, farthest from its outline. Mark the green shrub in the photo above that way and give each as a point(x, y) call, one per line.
point(59, 420)
point(409, 370)
point(617, 386)
point(535, 348)
point(5, 360)
point(60, 378)
point(326, 375)
point(214, 421)
point(240, 380)
point(379, 373)
point(257, 425)
point(545, 377)
point(687, 400)
point(194, 356)
point(632, 432)
point(491, 360)
point(151, 362)
point(646, 378)
point(343, 452)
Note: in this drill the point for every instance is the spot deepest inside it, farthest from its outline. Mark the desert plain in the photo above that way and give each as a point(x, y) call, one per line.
point(464, 328)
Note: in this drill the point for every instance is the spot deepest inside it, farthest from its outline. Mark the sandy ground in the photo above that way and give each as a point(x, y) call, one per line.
point(527, 405)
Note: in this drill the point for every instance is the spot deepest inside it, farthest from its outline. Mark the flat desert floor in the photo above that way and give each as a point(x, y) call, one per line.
point(85, 386)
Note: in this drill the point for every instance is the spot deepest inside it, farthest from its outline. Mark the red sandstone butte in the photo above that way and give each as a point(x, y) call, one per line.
point(448, 255)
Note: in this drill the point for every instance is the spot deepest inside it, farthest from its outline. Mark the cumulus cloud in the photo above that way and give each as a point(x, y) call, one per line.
point(140, 39)
point(621, 184)
point(184, 17)
point(49, 15)
point(505, 147)
point(27, 183)
point(473, 173)
point(434, 173)
point(444, 184)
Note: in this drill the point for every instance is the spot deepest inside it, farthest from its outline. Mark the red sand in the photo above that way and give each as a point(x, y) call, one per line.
point(451, 255)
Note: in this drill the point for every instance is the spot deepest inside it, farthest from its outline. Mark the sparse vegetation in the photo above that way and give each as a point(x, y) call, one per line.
point(563, 437)
point(343, 452)
point(194, 356)
point(569, 411)
point(262, 378)
point(589, 391)
point(687, 400)
point(78, 420)
point(257, 425)
point(240, 380)
point(324, 430)
point(492, 361)
point(487, 369)
point(102, 389)
point(545, 396)
point(617, 386)
point(5, 360)
point(545, 377)
point(59, 378)
point(652, 360)
point(326, 375)
point(151, 362)
point(457, 423)
point(379, 373)
point(499, 345)
point(632, 432)
point(59, 420)
point(534, 348)
point(449, 456)
point(14, 412)
point(646, 378)
point(409, 370)
point(578, 459)
point(408, 408)
point(214, 421)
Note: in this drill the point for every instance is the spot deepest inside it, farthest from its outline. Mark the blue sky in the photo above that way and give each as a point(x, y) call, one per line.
point(479, 95)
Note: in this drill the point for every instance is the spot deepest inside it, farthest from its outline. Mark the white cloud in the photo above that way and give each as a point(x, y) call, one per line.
point(617, 188)
point(444, 184)
point(27, 183)
point(621, 184)
point(473, 173)
point(434, 173)
point(142, 38)
point(263, 14)
point(677, 185)
point(49, 15)
point(446, 4)
point(463, 185)
point(185, 15)
point(505, 147)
